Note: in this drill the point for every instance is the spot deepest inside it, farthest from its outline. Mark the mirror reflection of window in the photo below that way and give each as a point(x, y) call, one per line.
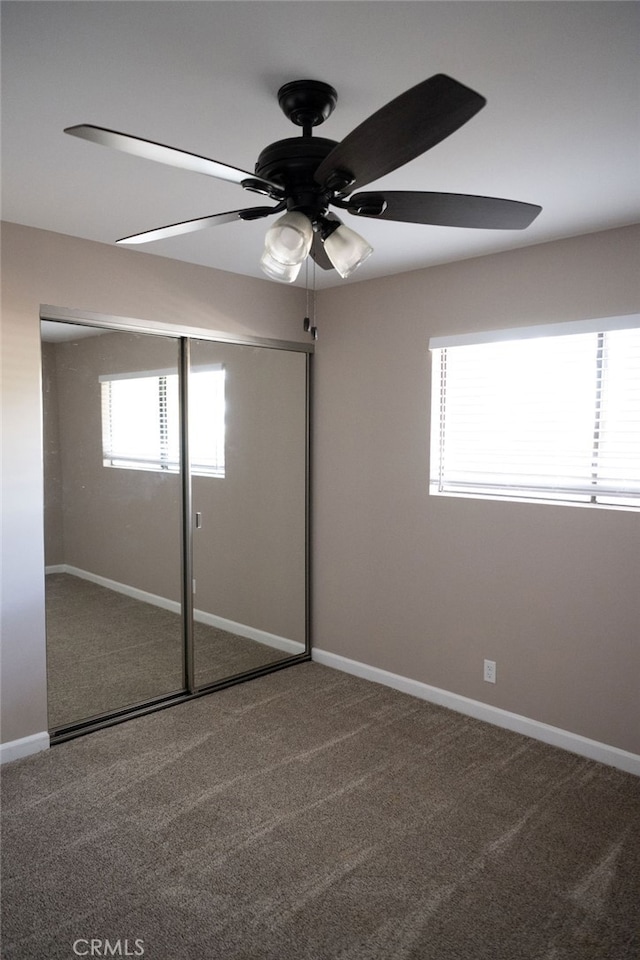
point(141, 424)
point(207, 427)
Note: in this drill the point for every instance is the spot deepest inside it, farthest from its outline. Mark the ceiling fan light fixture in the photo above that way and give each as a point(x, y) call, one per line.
point(346, 249)
point(313, 173)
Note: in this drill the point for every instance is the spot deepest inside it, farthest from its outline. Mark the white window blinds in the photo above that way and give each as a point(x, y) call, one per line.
point(552, 414)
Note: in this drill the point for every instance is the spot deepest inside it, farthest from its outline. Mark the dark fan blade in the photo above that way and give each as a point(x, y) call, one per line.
point(157, 151)
point(201, 223)
point(401, 130)
point(445, 209)
point(319, 254)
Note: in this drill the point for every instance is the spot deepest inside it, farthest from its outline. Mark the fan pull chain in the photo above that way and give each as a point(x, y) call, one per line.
point(309, 326)
point(314, 328)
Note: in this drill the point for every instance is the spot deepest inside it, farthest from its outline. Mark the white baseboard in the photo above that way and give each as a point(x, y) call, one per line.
point(15, 749)
point(573, 742)
point(200, 616)
point(252, 633)
point(124, 588)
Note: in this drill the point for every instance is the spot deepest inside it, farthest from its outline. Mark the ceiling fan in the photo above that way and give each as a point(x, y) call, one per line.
point(307, 175)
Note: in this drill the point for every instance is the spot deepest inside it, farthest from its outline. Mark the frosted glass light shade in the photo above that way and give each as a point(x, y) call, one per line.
point(289, 239)
point(346, 249)
point(287, 272)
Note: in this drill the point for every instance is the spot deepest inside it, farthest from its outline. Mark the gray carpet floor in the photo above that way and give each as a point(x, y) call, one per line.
point(106, 650)
point(311, 815)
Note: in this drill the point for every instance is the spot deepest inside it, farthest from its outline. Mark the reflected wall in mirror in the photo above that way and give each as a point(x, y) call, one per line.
point(112, 519)
point(248, 447)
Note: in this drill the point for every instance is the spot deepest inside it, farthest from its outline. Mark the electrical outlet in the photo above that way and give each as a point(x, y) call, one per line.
point(490, 671)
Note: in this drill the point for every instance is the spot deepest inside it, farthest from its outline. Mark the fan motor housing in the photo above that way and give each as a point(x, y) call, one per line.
point(291, 164)
point(294, 160)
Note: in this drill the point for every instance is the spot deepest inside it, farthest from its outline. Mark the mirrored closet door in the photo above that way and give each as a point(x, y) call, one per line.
point(176, 516)
point(112, 519)
point(247, 448)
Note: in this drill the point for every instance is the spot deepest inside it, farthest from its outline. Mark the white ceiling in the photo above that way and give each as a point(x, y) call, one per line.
point(561, 127)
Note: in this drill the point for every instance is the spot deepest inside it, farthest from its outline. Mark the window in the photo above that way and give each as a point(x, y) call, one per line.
point(548, 413)
point(141, 421)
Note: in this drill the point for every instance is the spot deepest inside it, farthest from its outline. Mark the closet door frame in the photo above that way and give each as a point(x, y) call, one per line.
point(185, 334)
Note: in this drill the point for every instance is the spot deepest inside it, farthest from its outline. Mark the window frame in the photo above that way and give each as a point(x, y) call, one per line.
point(561, 494)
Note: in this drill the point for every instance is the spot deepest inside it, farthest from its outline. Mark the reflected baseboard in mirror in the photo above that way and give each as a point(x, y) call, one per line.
point(107, 650)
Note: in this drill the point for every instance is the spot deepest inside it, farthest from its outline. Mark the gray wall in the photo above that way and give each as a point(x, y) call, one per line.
point(42, 267)
point(427, 587)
